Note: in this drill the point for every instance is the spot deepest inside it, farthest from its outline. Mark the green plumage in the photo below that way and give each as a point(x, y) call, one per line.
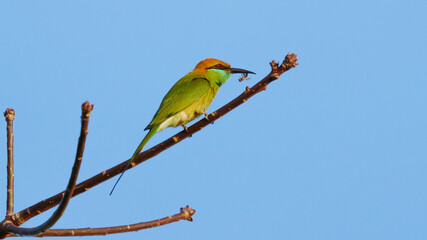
point(182, 95)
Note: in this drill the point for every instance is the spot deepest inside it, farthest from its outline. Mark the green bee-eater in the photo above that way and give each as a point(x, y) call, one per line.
point(189, 98)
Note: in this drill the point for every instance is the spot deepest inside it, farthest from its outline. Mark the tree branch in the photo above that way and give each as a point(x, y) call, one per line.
point(9, 114)
point(12, 228)
point(289, 63)
point(185, 214)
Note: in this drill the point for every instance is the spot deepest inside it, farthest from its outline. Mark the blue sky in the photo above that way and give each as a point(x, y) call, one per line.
point(335, 149)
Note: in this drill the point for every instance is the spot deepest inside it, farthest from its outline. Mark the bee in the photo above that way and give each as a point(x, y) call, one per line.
point(243, 77)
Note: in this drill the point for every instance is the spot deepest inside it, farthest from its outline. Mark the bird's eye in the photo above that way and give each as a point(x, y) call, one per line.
point(219, 66)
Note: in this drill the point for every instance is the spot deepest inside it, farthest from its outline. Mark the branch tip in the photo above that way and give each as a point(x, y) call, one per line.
point(291, 61)
point(86, 109)
point(188, 213)
point(9, 114)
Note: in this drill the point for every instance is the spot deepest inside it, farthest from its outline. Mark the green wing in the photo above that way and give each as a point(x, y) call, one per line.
point(184, 93)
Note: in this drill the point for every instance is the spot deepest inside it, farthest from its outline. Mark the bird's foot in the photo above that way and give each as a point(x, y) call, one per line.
point(206, 117)
point(186, 129)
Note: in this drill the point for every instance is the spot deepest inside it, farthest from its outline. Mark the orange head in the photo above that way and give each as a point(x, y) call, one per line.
point(215, 64)
point(212, 63)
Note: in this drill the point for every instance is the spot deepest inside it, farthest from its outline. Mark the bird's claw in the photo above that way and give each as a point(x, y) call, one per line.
point(186, 129)
point(206, 117)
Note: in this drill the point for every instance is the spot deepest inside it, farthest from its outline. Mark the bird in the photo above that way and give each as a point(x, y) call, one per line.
point(188, 99)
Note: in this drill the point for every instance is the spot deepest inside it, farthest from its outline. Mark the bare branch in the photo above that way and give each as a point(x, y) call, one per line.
point(289, 63)
point(185, 214)
point(11, 228)
point(9, 114)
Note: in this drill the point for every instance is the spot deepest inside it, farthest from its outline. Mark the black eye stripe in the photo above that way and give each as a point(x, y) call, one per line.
point(217, 66)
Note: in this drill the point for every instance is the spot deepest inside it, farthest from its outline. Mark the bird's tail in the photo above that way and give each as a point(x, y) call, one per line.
point(144, 141)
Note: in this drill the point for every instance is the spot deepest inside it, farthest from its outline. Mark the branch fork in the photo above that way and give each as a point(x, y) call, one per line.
point(9, 226)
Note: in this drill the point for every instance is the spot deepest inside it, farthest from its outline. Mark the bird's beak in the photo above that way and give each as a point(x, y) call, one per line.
point(239, 70)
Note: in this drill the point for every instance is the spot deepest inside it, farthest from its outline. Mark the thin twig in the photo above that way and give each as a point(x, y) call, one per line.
point(185, 214)
point(289, 63)
point(11, 228)
point(9, 114)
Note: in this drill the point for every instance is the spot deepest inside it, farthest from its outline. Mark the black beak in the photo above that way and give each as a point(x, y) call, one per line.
point(239, 70)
